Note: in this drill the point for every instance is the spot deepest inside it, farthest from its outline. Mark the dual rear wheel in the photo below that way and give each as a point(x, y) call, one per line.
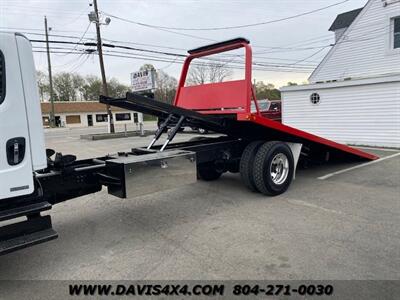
point(267, 167)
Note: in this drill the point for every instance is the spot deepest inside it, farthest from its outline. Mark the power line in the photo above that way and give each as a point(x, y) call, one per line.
point(162, 29)
point(228, 27)
point(312, 55)
point(110, 46)
point(37, 29)
point(164, 53)
point(255, 54)
point(80, 63)
point(208, 59)
point(296, 63)
point(81, 38)
point(28, 31)
point(256, 68)
point(281, 49)
point(168, 65)
point(137, 49)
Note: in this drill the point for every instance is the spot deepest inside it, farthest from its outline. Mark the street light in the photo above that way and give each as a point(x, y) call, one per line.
point(93, 18)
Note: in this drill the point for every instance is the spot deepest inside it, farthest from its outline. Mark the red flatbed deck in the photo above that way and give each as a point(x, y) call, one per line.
point(225, 107)
point(294, 134)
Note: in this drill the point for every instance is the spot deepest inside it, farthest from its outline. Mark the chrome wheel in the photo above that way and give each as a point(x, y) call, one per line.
point(279, 168)
point(273, 168)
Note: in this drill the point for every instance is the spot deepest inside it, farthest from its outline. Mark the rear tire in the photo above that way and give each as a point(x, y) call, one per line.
point(273, 168)
point(208, 171)
point(246, 165)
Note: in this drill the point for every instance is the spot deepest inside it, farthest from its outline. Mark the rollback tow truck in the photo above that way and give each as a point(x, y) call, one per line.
point(33, 178)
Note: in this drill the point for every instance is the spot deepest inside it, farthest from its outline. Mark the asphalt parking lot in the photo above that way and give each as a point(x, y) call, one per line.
point(343, 226)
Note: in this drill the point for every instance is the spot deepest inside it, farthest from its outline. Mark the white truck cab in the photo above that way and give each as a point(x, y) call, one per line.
point(21, 133)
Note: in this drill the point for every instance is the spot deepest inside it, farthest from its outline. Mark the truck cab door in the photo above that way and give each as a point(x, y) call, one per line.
point(16, 171)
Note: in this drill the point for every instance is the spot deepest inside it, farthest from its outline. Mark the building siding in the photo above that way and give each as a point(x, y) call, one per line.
point(366, 114)
point(364, 49)
point(84, 120)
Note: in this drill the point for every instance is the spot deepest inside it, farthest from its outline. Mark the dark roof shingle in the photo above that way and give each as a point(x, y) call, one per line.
point(344, 20)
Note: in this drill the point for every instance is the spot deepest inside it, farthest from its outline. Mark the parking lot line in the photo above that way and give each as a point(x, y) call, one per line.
point(357, 167)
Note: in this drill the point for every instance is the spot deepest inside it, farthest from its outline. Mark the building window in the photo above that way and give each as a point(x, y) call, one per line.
point(315, 98)
point(123, 117)
point(46, 121)
point(73, 119)
point(2, 78)
point(396, 33)
point(101, 118)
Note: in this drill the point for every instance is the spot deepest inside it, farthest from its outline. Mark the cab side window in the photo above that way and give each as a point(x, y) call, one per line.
point(2, 78)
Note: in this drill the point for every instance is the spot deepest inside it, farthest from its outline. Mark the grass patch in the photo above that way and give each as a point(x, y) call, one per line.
point(149, 118)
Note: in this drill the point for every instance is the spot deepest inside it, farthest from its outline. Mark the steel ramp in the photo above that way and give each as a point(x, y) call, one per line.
point(156, 108)
point(246, 126)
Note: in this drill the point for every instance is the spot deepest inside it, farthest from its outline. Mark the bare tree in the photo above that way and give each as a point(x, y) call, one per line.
point(43, 84)
point(165, 84)
point(147, 67)
point(218, 72)
point(208, 73)
point(165, 87)
point(78, 82)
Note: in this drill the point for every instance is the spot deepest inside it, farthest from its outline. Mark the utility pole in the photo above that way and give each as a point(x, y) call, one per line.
point(52, 117)
point(103, 74)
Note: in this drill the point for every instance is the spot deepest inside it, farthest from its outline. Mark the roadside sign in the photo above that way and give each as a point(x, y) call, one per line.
point(143, 80)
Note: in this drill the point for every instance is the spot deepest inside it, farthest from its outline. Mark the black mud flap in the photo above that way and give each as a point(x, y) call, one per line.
point(37, 229)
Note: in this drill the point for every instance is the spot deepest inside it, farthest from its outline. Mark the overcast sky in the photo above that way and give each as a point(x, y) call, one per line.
point(303, 35)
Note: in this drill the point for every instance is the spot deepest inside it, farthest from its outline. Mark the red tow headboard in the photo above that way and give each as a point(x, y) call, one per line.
point(222, 97)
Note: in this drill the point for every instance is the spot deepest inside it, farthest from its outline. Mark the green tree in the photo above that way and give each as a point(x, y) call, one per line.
point(267, 91)
point(74, 87)
point(63, 86)
point(91, 90)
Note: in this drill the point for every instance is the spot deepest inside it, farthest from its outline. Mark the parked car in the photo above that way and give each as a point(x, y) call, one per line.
point(270, 109)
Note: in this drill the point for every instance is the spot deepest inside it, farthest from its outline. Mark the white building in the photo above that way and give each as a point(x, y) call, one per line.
point(86, 114)
point(354, 94)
